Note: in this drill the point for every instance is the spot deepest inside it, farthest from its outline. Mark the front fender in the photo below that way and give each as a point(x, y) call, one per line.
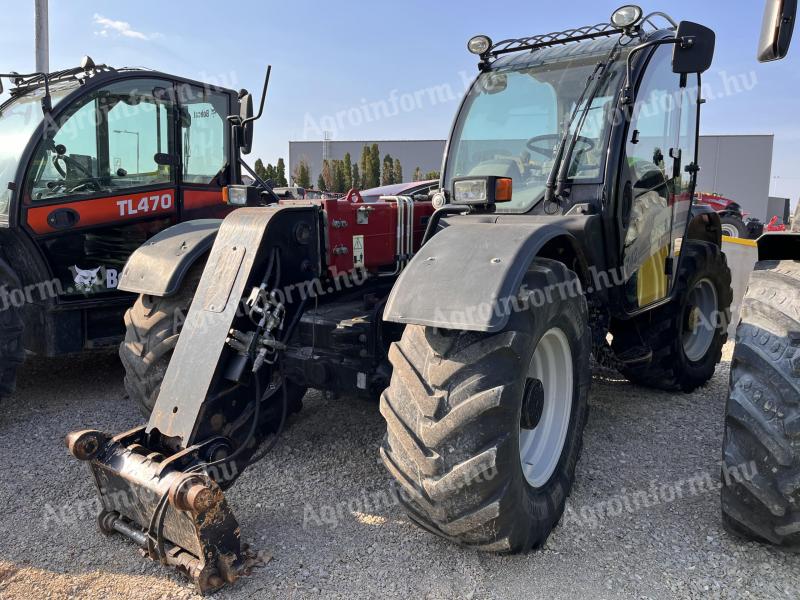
point(159, 266)
point(466, 275)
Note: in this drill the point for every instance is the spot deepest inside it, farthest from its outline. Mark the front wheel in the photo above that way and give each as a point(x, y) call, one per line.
point(484, 431)
point(761, 448)
point(153, 326)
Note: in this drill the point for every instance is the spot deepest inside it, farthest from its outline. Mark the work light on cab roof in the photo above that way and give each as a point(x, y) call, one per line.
point(627, 17)
point(479, 44)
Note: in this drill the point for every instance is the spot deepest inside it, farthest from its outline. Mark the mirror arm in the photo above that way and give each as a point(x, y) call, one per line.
point(627, 94)
point(263, 97)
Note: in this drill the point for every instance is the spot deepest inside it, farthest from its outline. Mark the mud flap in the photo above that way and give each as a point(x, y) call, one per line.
point(177, 516)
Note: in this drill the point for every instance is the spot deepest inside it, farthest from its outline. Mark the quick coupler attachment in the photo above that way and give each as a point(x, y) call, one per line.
point(166, 505)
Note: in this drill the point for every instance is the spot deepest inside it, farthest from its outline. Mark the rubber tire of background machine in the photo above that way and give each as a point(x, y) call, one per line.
point(153, 325)
point(661, 329)
point(761, 446)
point(12, 350)
point(453, 412)
point(737, 224)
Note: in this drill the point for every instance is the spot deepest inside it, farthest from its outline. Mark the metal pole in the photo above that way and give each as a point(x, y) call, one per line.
point(42, 37)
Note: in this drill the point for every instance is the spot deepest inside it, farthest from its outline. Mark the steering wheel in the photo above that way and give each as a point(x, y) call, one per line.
point(549, 151)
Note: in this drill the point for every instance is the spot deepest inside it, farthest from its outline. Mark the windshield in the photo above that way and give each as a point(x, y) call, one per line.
point(18, 120)
point(513, 120)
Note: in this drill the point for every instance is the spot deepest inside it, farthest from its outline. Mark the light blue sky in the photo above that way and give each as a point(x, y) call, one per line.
point(332, 57)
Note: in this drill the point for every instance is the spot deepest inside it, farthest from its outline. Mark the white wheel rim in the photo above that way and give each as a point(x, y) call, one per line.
point(540, 448)
point(700, 328)
point(730, 231)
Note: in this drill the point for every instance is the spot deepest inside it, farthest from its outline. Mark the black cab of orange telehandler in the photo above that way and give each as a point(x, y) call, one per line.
point(563, 228)
point(94, 162)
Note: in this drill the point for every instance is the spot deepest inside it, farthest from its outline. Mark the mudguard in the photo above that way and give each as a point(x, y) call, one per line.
point(466, 276)
point(159, 266)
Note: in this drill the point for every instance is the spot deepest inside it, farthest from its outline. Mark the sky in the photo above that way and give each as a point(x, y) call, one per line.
point(334, 62)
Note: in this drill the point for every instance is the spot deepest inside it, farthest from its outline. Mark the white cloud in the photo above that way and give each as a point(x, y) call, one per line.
point(109, 27)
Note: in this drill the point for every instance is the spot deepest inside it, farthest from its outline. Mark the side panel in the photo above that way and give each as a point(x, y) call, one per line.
point(467, 275)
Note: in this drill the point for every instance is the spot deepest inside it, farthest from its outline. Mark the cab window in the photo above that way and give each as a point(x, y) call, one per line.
point(111, 141)
point(205, 134)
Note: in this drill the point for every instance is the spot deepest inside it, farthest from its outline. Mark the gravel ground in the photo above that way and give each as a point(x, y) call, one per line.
point(312, 505)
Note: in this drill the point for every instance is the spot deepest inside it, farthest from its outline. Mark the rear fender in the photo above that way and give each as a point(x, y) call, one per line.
point(467, 275)
point(158, 267)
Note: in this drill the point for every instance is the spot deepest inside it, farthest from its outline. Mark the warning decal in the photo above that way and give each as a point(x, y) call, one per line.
point(358, 251)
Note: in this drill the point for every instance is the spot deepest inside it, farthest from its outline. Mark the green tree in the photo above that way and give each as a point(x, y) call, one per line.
point(432, 175)
point(337, 172)
point(259, 169)
point(366, 161)
point(387, 175)
point(374, 167)
point(280, 173)
point(397, 171)
point(417, 174)
point(271, 175)
point(321, 183)
point(348, 173)
point(327, 176)
point(356, 177)
point(303, 176)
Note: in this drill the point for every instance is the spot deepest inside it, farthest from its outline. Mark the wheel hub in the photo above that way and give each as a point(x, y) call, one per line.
point(532, 404)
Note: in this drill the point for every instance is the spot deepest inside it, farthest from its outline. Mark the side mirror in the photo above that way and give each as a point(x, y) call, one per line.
point(777, 29)
point(695, 53)
point(246, 115)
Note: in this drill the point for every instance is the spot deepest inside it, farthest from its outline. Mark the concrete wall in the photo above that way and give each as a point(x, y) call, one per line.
point(425, 154)
point(778, 207)
point(739, 167)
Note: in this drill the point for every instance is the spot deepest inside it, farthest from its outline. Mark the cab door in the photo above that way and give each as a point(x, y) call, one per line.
point(656, 185)
point(101, 182)
point(207, 159)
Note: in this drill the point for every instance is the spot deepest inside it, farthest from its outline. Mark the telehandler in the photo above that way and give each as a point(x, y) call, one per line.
point(94, 162)
point(563, 227)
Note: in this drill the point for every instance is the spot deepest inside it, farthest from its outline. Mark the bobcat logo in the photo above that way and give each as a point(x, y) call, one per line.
point(86, 279)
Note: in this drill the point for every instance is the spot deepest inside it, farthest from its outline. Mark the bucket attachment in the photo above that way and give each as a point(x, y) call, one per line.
point(177, 516)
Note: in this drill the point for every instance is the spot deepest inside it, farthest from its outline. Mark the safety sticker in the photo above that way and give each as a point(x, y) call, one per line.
point(358, 251)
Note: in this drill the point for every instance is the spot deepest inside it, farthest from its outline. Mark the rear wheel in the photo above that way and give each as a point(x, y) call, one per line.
point(685, 336)
point(12, 351)
point(761, 447)
point(153, 326)
point(484, 431)
point(733, 227)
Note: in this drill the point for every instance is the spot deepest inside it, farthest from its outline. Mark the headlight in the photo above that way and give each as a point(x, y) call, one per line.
point(627, 16)
point(479, 44)
point(482, 190)
point(470, 191)
point(235, 195)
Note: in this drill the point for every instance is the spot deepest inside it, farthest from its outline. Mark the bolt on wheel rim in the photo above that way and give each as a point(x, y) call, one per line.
point(701, 315)
point(540, 448)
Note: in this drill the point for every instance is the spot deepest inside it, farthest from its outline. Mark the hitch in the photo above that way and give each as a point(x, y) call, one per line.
point(176, 513)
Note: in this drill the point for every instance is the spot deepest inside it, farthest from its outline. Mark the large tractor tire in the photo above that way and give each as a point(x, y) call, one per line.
point(685, 336)
point(761, 447)
point(12, 351)
point(485, 430)
point(734, 227)
point(153, 326)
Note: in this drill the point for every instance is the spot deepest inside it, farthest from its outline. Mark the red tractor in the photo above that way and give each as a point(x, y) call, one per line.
point(735, 222)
